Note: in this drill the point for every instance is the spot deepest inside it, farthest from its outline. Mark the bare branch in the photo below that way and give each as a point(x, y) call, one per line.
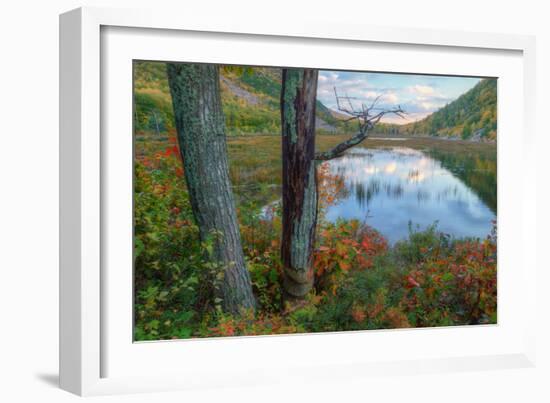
point(337, 98)
point(366, 121)
point(375, 101)
point(340, 148)
point(349, 103)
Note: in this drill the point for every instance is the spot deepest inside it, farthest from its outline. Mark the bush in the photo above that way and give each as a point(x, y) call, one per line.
point(361, 282)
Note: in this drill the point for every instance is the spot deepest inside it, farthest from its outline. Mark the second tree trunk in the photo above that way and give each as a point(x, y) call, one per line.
point(298, 98)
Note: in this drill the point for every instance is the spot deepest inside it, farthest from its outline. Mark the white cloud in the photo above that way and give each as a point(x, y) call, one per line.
point(427, 106)
point(355, 86)
point(369, 94)
point(417, 98)
point(422, 90)
point(391, 98)
point(408, 118)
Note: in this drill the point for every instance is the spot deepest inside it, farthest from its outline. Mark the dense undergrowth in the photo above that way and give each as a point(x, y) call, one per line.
point(361, 282)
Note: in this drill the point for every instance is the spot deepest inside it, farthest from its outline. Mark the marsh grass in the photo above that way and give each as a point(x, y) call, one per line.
point(255, 163)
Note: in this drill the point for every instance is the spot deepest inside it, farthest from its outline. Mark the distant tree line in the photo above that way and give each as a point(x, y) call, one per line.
point(473, 113)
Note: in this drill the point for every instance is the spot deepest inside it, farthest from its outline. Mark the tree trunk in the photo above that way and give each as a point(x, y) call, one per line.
point(298, 97)
point(201, 135)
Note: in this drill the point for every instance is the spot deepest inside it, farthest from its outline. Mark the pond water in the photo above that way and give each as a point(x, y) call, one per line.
point(389, 188)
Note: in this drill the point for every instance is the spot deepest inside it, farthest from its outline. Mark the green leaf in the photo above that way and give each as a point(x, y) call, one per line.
point(185, 333)
point(273, 275)
point(138, 247)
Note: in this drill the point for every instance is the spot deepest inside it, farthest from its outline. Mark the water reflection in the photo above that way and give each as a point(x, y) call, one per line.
point(390, 187)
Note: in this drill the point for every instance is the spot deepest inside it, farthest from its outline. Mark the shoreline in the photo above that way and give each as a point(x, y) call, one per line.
point(373, 137)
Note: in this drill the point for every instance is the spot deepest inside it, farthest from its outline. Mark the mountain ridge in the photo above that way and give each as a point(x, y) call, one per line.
point(472, 116)
point(250, 98)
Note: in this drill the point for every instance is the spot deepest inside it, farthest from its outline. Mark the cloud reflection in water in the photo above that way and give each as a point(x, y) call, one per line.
point(390, 187)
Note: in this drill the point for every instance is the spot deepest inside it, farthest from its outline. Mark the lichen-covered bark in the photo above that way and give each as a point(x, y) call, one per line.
point(201, 135)
point(298, 97)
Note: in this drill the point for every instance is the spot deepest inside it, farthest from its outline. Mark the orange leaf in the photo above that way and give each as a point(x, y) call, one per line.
point(344, 265)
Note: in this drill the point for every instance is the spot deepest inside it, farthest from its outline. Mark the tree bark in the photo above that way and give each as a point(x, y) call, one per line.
point(200, 127)
point(298, 98)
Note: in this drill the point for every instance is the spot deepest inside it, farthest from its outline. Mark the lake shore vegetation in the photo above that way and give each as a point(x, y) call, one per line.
point(361, 281)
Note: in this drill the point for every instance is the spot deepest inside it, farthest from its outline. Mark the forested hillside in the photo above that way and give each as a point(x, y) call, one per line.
point(473, 115)
point(250, 98)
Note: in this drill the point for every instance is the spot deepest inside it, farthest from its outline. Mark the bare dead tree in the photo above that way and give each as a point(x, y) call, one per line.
point(365, 116)
point(299, 213)
point(300, 161)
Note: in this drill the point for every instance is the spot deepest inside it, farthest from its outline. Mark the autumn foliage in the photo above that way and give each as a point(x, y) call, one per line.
point(361, 282)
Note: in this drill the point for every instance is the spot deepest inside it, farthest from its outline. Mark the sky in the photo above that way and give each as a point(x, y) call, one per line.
point(418, 95)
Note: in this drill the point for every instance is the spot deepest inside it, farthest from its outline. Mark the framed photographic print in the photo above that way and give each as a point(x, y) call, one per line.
point(236, 198)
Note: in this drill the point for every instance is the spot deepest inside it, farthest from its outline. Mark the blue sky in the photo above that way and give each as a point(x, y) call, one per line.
point(418, 95)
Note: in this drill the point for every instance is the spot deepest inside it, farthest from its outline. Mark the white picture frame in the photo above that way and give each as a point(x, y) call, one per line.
point(94, 343)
